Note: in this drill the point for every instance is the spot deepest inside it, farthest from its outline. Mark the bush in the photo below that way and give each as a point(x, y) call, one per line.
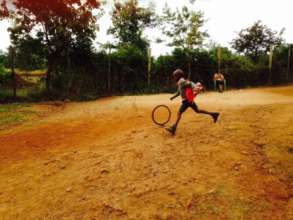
point(5, 77)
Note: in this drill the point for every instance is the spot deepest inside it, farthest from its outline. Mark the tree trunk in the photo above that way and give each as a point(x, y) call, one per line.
point(49, 72)
point(219, 58)
point(270, 64)
point(12, 59)
point(149, 66)
point(189, 70)
point(109, 78)
point(288, 64)
point(48, 79)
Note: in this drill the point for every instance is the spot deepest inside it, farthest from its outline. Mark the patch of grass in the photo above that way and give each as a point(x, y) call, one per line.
point(242, 208)
point(28, 94)
point(12, 114)
point(9, 107)
point(11, 119)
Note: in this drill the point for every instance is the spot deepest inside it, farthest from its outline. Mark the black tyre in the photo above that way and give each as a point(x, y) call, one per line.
point(161, 115)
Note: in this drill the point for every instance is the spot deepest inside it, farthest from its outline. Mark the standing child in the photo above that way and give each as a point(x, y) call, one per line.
point(219, 81)
point(187, 90)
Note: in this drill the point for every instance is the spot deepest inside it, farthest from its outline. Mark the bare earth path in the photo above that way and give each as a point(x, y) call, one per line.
point(107, 160)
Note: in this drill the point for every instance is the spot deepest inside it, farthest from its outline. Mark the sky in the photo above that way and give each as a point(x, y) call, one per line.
point(224, 18)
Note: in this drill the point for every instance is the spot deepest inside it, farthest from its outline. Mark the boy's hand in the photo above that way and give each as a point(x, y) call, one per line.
point(174, 96)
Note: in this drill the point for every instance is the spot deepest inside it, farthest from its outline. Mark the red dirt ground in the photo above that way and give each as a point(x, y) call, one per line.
point(107, 160)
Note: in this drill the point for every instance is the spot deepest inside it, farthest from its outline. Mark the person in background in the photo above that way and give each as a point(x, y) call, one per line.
point(219, 80)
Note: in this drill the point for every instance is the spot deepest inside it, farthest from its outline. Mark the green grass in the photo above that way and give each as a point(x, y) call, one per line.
point(19, 71)
point(13, 114)
point(8, 108)
point(26, 94)
point(11, 119)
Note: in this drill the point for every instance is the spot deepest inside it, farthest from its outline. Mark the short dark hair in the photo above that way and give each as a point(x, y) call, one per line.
point(178, 73)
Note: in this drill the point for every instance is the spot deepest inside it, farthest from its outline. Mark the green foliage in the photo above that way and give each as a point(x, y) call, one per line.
point(239, 71)
point(30, 54)
point(200, 62)
point(130, 68)
point(226, 54)
point(281, 69)
point(12, 114)
point(129, 21)
point(129, 60)
point(3, 72)
point(182, 27)
point(58, 36)
point(2, 69)
point(5, 77)
point(3, 59)
point(59, 26)
point(255, 41)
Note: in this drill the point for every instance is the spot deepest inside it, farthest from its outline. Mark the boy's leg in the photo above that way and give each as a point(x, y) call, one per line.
point(221, 86)
point(182, 109)
point(214, 115)
point(217, 85)
point(178, 119)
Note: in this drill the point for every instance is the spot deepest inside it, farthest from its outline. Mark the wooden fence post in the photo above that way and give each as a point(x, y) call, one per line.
point(12, 63)
point(288, 64)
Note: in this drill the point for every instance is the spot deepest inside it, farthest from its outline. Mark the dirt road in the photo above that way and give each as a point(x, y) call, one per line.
point(107, 160)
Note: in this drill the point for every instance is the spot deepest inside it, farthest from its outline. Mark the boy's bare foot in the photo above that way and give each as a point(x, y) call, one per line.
point(172, 130)
point(215, 116)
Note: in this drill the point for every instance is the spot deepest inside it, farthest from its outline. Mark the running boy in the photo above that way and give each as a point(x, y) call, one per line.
point(184, 88)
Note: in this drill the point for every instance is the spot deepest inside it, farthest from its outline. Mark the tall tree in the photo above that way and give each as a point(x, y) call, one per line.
point(30, 54)
point(256, 40)
point(57, 24)
point(183, 29)
point(129, 21)
point(3, 58)
point(3, 10)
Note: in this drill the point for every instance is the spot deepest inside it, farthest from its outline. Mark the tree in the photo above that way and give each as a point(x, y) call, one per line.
point(281, 64)
point(183, 28)
point(59, 25)
point(256, 40)
point(3, 59)
point(3, 10)
point(107, 48)
point(129, 21)
point(30, 54)
point(12, 61)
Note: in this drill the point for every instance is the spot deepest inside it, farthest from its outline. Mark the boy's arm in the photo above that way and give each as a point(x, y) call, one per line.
point(197, 87)
point(174, 96)
point(222, 77)
point(181, 84)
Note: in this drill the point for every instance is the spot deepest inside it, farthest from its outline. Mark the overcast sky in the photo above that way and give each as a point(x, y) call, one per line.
point(224, 19)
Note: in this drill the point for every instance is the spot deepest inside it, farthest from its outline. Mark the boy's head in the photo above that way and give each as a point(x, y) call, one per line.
point(178, 73)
